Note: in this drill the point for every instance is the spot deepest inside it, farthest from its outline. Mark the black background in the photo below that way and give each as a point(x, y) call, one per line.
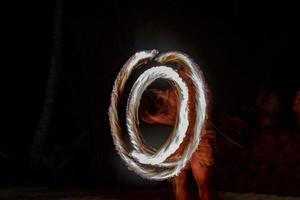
point(243, 47)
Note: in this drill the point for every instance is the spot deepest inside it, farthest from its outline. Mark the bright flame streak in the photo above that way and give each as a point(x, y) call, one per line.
point(178, 134)
point(142, 154)
point(197, 78)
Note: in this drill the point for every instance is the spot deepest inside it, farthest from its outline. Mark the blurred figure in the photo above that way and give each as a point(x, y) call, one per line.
point(161, 107)
point(268, 109)
point(296, 108)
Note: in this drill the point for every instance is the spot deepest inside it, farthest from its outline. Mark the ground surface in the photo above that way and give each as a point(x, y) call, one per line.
point(45, 194)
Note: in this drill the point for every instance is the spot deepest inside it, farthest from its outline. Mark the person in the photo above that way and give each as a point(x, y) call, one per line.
point(160, 106)
point(296, 108)
point(268, 109)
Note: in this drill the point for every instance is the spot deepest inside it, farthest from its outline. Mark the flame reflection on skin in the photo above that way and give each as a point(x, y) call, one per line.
point(166, 105)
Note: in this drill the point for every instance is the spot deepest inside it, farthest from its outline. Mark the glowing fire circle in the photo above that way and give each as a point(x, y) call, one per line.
point(146, 161)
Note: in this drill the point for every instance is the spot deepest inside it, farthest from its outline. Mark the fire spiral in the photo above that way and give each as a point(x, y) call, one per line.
point(150, 163)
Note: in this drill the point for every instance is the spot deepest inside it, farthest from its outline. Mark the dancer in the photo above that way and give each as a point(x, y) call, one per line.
point(160, 106)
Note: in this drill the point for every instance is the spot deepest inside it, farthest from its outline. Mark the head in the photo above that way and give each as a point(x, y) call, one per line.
point(296, 107)
point(269, 102)
point(159, 106)
point(269, 109)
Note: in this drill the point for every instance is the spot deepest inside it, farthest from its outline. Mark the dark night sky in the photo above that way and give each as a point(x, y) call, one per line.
point(242, 47)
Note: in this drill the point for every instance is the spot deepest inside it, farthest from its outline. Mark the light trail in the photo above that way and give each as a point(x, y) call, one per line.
point(145, 161)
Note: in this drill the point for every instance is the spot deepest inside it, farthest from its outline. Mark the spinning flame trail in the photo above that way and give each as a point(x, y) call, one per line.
point(147, 162)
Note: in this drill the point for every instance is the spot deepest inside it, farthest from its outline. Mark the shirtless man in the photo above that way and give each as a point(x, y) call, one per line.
point(162, 109)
